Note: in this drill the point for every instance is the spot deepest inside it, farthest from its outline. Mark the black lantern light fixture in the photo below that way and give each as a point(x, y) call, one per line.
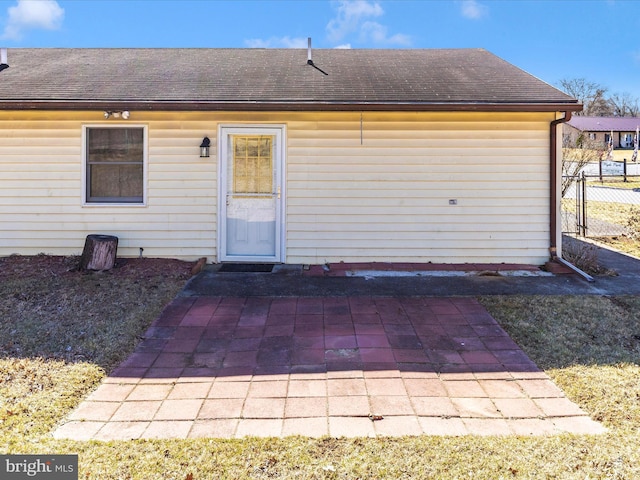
point(204, 147)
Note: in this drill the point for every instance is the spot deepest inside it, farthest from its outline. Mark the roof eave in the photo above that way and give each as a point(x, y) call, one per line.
point(288, 106)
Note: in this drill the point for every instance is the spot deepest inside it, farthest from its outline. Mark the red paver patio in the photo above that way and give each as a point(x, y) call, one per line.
point(347, 366)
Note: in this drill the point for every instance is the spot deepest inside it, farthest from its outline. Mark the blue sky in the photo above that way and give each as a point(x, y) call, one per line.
point(552, 39)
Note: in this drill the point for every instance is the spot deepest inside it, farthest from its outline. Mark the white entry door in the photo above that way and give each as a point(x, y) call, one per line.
point(251, 160)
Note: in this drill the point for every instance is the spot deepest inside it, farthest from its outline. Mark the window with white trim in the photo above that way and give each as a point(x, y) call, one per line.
point(114, 164)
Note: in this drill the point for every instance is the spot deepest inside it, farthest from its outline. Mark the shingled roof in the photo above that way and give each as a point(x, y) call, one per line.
point(261, 79)
point(605, 124)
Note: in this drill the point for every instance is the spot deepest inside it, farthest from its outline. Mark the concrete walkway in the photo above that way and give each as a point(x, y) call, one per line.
point(483, 279)
point(347, 365)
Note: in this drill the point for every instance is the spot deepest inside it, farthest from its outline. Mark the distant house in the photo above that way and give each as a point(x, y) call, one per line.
point(325, 156)
point(599, 130)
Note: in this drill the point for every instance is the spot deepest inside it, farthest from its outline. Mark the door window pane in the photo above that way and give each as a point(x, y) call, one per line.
point(253, 164)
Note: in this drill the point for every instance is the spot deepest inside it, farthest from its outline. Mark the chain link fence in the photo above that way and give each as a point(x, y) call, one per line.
point(601, 205)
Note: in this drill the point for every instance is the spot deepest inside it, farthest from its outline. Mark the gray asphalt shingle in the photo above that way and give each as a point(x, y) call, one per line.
point(261, 77)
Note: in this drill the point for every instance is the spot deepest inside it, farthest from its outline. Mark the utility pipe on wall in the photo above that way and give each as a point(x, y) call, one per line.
point(553, 249)
point(553, 155)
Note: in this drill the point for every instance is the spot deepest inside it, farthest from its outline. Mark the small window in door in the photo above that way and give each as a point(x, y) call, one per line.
point(253, 161)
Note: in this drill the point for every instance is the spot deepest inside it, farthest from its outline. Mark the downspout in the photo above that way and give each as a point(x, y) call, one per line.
point(553, 156)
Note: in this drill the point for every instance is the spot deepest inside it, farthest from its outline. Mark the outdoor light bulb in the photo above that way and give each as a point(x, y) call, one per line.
point(106, 114)
point(116, 114)
point(125, 114)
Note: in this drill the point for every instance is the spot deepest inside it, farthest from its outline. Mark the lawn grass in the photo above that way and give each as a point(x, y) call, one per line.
point(620, 243)
point(589, 345)
point(612, 212)
point(625, 215)
point(618, 213)
point(631, 183)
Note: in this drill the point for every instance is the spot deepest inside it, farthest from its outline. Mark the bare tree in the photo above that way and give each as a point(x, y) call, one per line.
point(595, 101)
point(576, 155)
point(600, 106)
point(624, 105)
point(590, 94)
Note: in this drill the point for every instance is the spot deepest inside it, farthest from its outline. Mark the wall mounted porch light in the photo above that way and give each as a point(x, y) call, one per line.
point(117, 114)
point(204, 147)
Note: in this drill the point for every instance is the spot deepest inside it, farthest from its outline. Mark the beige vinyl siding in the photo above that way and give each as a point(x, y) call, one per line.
point(385, 196)
point(386, 199)
point(42, 188)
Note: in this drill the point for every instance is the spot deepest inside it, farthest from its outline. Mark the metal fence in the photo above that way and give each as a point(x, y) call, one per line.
point(601, 205)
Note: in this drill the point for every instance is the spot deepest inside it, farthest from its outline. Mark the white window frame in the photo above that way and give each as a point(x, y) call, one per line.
point(145, 161)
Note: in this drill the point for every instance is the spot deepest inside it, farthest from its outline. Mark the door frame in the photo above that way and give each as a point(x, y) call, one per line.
point(279, 131)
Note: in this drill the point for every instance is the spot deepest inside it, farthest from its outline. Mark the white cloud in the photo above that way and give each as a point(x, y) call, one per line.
point(358, 17)
point(32, 14)
point(350, 15)
point(474, 10)
point(378, 34)
point(344, 46)
point(276, 42)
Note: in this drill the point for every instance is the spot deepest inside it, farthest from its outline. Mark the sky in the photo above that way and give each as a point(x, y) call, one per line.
point(598, 40)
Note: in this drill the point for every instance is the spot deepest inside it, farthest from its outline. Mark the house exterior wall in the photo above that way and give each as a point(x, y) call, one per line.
point(570, 135)
point(621, 138)
point(41, 189)
point(370, 187)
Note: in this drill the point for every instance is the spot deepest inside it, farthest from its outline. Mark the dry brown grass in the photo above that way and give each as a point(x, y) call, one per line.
point(630, 184)
point(627, 216)
point(52, 311)
point(585, 257)
point(60, 330)
point(617, 213)
point(620, 243)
